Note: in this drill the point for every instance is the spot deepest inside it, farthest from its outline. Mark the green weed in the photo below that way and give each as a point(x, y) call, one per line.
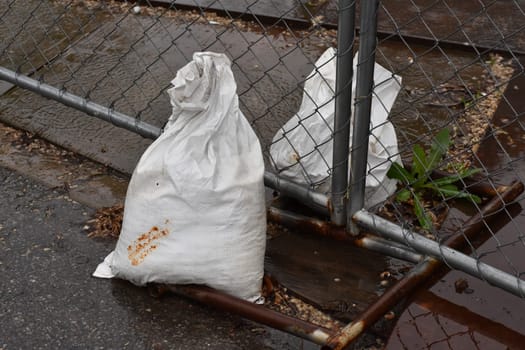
point(417, 181)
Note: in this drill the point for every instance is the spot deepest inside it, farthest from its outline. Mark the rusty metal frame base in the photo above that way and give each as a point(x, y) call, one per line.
point(426, 267)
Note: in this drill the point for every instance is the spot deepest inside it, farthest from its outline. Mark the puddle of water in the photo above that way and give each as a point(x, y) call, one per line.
point(101, 191)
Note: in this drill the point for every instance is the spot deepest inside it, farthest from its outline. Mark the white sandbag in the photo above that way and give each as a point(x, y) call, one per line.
point(302, 149)
point(195, 206)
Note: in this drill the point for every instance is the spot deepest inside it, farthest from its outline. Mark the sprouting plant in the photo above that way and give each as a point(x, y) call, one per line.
point(469, 102)
point(419, 184)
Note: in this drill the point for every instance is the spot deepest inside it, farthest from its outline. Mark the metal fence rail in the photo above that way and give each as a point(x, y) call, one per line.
point(457, 66)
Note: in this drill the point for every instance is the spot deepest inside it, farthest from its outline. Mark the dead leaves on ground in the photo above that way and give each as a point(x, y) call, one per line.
point(106, 222)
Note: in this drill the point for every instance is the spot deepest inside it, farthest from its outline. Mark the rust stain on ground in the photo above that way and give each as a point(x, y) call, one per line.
point(145, 244)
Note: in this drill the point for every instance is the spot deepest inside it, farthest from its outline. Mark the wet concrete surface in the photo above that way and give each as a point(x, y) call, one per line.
point(127, 61)
point(269, 12)
point(130, 65)
point(48, 299)
point(492, 24)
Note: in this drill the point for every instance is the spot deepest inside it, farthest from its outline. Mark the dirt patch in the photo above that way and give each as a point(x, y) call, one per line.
point(279, 298)
point(31, 143)
point(475, 121)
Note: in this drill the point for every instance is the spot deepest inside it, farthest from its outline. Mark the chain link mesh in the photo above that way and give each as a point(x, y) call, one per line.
point(460, 64)
point(471, 92)
point(124, 55)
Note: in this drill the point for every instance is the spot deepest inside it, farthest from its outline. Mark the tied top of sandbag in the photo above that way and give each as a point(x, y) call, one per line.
point(195, 83)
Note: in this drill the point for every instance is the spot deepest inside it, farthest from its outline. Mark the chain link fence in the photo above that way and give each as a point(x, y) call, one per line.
point(462, 69)
point(443, 105)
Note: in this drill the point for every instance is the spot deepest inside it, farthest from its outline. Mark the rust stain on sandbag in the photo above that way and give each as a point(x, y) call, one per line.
point(145, 244)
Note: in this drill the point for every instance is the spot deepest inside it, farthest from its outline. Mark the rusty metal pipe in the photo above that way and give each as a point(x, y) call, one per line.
point(420, 274)
point(254, 312)
point(304, 223)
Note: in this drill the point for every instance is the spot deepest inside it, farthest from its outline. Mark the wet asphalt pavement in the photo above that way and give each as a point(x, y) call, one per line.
point(48, 299)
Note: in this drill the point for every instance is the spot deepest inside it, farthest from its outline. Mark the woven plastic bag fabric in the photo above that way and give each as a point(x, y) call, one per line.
point(302, 149)
point(195, 206)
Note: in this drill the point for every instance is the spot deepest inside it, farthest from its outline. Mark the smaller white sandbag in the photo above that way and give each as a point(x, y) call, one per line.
point(302, 149)
point(195, 207)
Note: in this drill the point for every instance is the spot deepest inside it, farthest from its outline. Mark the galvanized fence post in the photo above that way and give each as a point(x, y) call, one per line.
point(343, 110)
point(363, 102)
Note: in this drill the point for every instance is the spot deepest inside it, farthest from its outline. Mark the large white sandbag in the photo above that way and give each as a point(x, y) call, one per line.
point(195, 206)
point(302, 149)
